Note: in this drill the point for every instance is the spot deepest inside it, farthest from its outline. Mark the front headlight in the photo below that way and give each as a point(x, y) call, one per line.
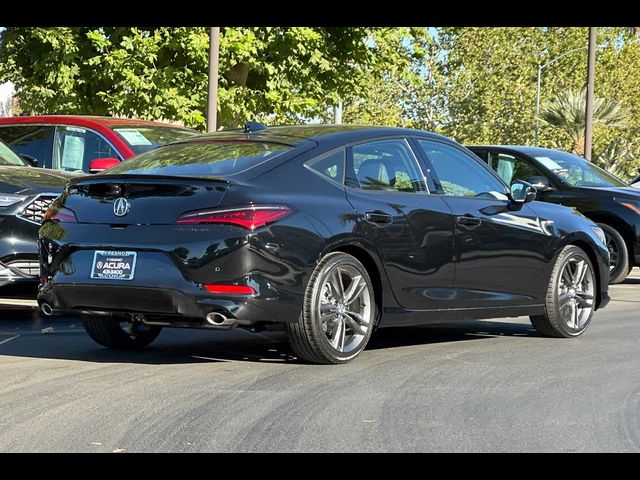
point(8, 200)
point(600, 234)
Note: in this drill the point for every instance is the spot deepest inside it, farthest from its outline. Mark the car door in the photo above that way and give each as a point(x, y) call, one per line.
point(500, 253)
point(411, 229)
point(511, 167)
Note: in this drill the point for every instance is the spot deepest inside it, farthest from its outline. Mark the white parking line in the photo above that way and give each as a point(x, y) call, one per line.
point(9, 339)
point(18, 302)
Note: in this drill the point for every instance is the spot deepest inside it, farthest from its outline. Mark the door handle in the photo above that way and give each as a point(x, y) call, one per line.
point(468, 222)
point(378, 217)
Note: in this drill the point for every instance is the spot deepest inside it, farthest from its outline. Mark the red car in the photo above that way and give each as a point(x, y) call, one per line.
point(78, 143)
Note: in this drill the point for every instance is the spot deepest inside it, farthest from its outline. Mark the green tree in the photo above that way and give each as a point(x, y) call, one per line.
point(567, 112)
point(271, 74)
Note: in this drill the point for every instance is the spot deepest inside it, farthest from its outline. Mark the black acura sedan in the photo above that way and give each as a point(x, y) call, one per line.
point(567, 179)
point(25, 196)
point(329, 231)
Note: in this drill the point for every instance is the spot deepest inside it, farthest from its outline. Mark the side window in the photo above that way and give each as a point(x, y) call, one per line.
point(33, 140)
point(511, 168)
point(331, 165)
point(387, 165)
point(75, 148)
point(459, 174)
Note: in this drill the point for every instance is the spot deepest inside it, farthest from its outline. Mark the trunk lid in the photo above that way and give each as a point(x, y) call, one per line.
point(140, 199)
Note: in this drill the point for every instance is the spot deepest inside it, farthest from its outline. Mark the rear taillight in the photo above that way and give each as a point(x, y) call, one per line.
point(223, 288)
point(61, 215)
point(249, 217)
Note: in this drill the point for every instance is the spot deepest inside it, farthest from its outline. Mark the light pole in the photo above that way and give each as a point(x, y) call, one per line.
point(337, 113)
point(540, 67)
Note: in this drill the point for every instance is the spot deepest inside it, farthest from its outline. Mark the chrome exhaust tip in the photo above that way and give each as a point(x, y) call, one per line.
point(46, 309)
point(219, 320)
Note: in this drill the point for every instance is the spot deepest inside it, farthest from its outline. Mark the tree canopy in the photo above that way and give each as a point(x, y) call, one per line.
point(476, 85)
point(267, 73)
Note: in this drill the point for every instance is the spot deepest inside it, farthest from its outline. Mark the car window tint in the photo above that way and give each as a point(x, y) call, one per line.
point(511, 168)
point(387, 165)
point(330, 165)
point(33, 140)
point(459, 174)
point(210, 158)
point(75, 148)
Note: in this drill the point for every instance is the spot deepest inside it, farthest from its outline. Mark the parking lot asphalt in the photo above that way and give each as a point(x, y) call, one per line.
point(463, 387)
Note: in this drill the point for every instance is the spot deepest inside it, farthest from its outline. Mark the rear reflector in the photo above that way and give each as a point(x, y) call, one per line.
point(249, 217)
point(61, 215)
point(229, 289)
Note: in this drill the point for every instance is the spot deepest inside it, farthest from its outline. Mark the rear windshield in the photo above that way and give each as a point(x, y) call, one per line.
point(143, 138)
point(210, 159)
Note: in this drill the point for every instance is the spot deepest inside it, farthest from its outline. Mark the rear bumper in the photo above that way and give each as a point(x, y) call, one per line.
point(165, 305)
point(173, 264)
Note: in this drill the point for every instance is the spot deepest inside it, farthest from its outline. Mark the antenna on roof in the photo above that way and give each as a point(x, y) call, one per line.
point(250, 127)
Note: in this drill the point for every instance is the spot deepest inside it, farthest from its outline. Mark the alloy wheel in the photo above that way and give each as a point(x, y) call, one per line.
point(345, 309)
point(576, 292)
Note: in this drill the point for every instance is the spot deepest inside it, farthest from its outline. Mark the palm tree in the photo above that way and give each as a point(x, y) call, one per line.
point(567, 112)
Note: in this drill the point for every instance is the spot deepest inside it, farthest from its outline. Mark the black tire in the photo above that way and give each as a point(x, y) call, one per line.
point(615, 241)
point(108, 332)
point(306, 335)
point(551, 324)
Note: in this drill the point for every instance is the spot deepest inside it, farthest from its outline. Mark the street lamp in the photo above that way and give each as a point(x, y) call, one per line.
point(540, 67)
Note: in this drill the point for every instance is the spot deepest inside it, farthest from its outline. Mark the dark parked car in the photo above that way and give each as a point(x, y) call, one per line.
point(330, 231)
point(83, 143)
point(25, 196)
point(570, 180)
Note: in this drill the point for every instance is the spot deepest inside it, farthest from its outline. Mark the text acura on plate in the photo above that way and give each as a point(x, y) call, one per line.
point(330, 231)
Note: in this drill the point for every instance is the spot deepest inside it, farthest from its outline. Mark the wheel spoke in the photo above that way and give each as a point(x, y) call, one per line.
point(355, 326)
point(354, 290)
point(577, 272)
point(327, 317)
point(335, 283)
point(582, 272)
point(584, 299)
point(583, 302)
point(563, 300)
point(566, 275)
point(575, 316)
point(358, 318)
point(338, 336)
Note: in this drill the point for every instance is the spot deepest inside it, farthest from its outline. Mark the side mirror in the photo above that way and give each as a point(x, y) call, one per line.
point(541, 183)
point(33, 161)
point(522, 192)
point(100, 164)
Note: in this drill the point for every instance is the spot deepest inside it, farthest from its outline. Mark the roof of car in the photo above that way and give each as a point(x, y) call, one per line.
point(526, 149)
point(81, 120)
point(319, 133)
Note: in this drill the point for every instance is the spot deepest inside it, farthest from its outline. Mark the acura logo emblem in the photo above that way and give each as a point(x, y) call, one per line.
point(121, 207)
